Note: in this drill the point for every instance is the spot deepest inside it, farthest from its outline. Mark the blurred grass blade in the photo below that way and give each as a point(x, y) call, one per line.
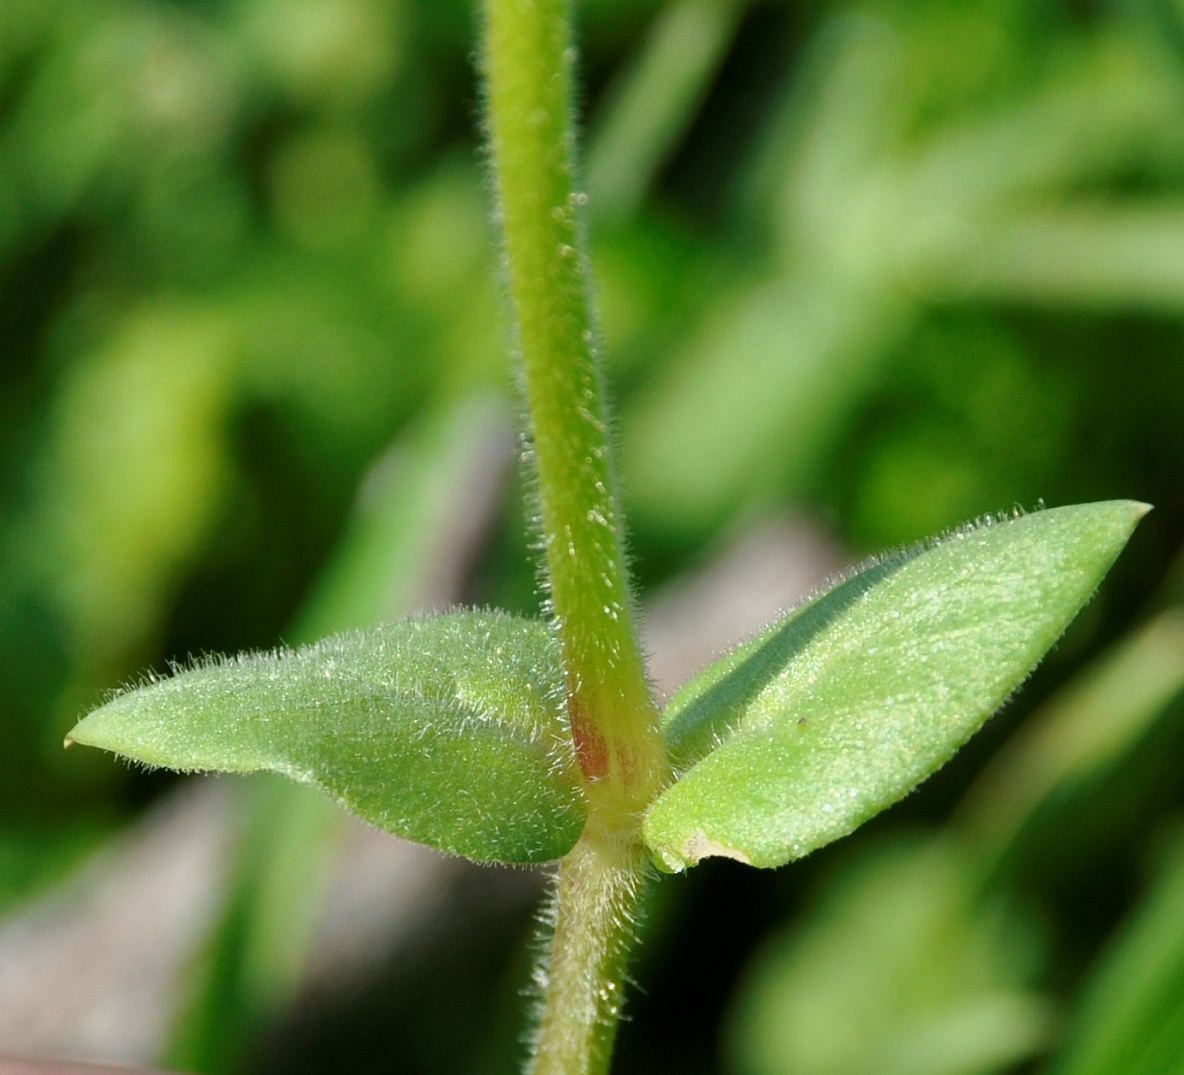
point(415, 520)
point(1094, 257)
point(1093, 115)
point(254, 961)
point(838, 120)
point(775, 368)
point(763, 389)
point(898, 968)
point(654, 103)
point(849, 702)
point(443, 730)
point(1131, 1018)
point(1092, 723)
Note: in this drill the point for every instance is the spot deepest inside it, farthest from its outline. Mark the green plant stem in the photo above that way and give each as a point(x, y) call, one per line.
point(614, 723)
point(582, 975)
point(528, 58)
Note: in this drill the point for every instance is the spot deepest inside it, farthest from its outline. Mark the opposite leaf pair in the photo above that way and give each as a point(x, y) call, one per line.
point(451, 729)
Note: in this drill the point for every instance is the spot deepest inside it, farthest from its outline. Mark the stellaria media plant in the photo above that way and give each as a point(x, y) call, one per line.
point(523, 741)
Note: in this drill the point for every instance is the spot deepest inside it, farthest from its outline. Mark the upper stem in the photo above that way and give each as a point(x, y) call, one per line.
point(528, 58)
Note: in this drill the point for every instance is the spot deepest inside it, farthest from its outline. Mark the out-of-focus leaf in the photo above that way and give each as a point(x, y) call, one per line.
point(866, 206)
point(406, 539)
point(900, 970)
point(446, 730)
point(655, 100)
point(1117, 257)
point(1131, 1018)
point(852, 700)
point(256, 958)
point(134, 473)
point(35, 856)
point(760, 392)
point(1092, 724)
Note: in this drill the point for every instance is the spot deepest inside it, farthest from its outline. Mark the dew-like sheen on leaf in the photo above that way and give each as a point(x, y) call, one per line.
point(854, 698)
point(449, 730)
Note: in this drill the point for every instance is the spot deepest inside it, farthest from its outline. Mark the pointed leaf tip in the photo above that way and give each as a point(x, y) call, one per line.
point(448, 730)
point(851, 700)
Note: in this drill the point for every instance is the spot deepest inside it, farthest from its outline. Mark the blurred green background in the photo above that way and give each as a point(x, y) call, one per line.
point(878, 269)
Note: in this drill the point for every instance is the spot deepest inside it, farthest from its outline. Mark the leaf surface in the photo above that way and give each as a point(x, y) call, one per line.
point(851, 700)
point(449, 730)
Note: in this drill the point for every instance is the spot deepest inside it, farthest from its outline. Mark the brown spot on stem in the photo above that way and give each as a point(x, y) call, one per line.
point(591, 748)
point(627, 764)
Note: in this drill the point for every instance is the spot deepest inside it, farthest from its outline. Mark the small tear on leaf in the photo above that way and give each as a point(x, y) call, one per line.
point(698, 847)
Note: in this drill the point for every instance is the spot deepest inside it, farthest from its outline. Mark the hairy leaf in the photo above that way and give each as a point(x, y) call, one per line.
point(850, 701)
point(449, 730)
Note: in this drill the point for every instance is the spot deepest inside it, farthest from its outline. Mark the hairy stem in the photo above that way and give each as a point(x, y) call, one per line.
point(581, 978)
point(528, 65)
point(528, 61)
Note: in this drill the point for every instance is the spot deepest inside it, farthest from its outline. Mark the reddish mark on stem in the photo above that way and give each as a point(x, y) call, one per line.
point(627, 765)
point(591, 748)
